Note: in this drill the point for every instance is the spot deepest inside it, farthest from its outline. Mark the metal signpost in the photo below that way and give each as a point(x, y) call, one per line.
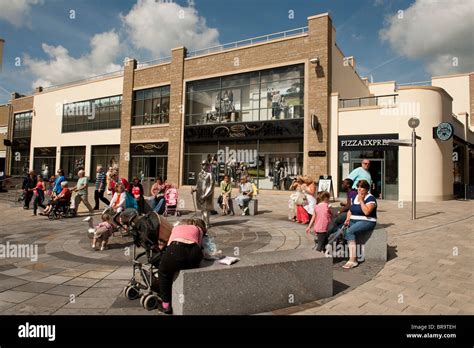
point(413, 122)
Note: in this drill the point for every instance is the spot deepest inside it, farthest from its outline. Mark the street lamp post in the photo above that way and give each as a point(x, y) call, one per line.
point(413, 122)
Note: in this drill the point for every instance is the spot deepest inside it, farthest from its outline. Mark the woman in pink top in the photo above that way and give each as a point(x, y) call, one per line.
point(322, 215)
point(183, 252)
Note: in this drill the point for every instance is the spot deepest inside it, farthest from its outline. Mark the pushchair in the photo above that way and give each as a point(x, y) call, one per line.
point(150, 232)
point(171, 202)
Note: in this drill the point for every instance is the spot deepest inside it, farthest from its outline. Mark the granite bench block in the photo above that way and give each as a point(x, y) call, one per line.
point(374, 244)
point(253, 207)
point(259, 282)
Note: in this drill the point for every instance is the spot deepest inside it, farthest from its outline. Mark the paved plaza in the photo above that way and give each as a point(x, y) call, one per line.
point(430, 267)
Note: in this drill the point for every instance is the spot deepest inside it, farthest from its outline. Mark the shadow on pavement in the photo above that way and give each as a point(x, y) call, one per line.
point(391, 252)
point(424, 216)
point(228, 222)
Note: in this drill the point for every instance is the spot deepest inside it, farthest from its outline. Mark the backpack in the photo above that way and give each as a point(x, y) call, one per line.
point(130, 201)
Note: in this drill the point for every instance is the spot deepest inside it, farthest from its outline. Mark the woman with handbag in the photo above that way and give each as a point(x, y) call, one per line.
point(296, 198)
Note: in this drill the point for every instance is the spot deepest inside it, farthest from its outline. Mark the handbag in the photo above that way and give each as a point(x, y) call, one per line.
point(220, 200)
point(300, 199)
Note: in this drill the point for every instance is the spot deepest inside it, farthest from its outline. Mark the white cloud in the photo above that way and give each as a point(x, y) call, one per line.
point(159, 27)
point(17, 11)
point(61, 67)
point(440, 33)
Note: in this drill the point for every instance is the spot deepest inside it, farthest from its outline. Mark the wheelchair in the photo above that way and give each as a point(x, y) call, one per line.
point(61, 210)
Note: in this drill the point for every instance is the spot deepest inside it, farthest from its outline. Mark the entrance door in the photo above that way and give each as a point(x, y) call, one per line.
point(377, 172)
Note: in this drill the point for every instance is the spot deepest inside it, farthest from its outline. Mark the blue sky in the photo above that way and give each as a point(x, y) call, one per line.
point(358, 24)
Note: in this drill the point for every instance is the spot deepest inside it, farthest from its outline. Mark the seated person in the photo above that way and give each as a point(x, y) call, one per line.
point(246, 193)
point(339, 219)
point(63, 199)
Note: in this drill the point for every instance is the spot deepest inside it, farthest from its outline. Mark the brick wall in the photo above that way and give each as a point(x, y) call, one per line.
point(471, 98)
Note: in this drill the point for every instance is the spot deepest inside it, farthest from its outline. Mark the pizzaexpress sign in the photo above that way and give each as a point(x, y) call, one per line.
point(374, 142)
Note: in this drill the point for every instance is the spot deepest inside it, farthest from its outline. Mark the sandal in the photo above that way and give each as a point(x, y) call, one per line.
point(350, 264)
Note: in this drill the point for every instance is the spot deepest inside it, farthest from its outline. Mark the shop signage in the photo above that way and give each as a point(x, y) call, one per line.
point(366, 142)
point(149, 149)
point(444, 131)
point(292, 128)
point(316, 153)
point(45, 151)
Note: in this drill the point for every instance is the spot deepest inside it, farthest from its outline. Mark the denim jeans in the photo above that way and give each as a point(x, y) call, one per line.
point(242, 200)
point(357, 227)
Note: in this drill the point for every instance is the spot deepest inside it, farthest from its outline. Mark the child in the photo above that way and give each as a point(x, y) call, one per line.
point(321, 218)
point(39, 195)
point(101, 232)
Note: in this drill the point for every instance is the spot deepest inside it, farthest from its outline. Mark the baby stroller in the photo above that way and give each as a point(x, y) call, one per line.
point(171, 202)
point(151, 233)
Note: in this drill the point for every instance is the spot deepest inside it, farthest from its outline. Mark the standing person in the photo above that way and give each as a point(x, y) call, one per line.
point(341, 217)
point(115, 179)
point(39, 195)
point(29, 184)
point(305, 211)
point(204, 192)
point(137, 192)
point(321, 219)
point(226, 191)
point(297, 198)
point(100, 186)
point(361, 173)
point(57, 188)
point(246, 192)
point(361, 217)
point(81, 192)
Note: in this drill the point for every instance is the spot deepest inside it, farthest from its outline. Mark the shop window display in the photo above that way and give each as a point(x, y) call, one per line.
point(263, 95)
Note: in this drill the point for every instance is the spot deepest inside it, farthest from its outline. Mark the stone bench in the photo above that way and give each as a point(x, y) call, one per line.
point(253, 206)
point(258, 283)
point(374, 244)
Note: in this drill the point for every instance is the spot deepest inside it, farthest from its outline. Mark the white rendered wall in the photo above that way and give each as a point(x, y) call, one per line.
point(47, 119)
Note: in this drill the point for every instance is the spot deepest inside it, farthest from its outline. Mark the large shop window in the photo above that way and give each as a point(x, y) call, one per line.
point(105, 155)
point(20, 161)
point(22, 126)
point(256, 96)
point(149, 160)
point(89, 115)
point(270, 164)
point(44, 161)
point(151, 106)
point(72, 160)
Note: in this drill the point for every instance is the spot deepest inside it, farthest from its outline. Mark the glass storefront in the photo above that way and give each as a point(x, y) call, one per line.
point(44, 161)
point(72, 160)
point(151, 106)
point(271, 164)
point(383, 162)
point(105, 155)
point(20, 161)
point(89, 115)
point(271, 94)
point(149, 160)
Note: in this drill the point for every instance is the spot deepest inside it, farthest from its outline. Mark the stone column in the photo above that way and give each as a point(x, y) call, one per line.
point(130, 65)
point(318, 94)
point(175, 135)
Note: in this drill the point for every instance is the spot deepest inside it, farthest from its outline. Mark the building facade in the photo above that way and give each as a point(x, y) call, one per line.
point(275, 107)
